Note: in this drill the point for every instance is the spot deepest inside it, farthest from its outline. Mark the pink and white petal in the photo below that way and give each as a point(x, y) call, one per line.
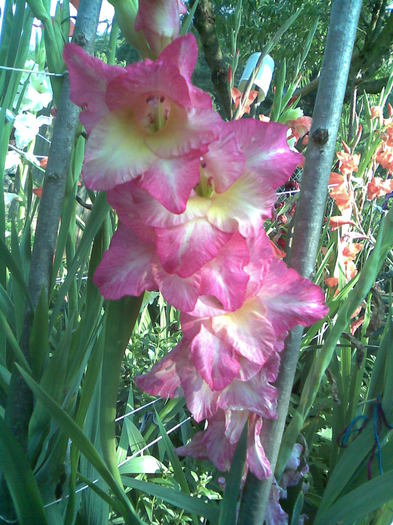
point(170, 181)
point(132, 203)
point(89, 78)
point(144, 79)
point(234, 424)
point(214, 360)
point(243, 206)
point(224, 277)
point(256, 396)
point(290, 299)
point(184, 249)
point(224, 162)
point(183, 52)
point(125, 268)
point(261, 254)
point(115, 153)
point(163, 379)
point(201, 400)
point(161, 17)
point(266, 149)
point(248, 331)
point(181, 292)
point(186, 131)
point(122, 199)
point(207, 306)
point(211, 444)
point(256, 459)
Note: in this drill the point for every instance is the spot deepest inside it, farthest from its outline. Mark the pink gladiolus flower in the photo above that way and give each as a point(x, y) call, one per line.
point(228, 361)
point(159, 20)
point(231, 196)
point(144, 119)
point(131, 266)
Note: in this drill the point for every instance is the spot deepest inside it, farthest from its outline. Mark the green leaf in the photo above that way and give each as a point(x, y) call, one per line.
point(13, 343)
point(185, 27)
point(9, 261)
point(97, 217)
point(142, 465)
point(231, 494)
point(20, 480)
point(114, 504)
point(68, 426)
point(175, 498)
point(173, 458)
point(359, 502)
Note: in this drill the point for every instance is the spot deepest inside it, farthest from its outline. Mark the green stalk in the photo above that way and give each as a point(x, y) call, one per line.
point(308, 221)
point(120, 320)
point(323, 357)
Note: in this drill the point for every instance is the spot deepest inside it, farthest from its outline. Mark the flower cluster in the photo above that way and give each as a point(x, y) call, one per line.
point(192, 193)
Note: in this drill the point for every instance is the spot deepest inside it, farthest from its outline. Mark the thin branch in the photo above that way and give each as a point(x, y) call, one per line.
point(308, 221)
point(204, 22)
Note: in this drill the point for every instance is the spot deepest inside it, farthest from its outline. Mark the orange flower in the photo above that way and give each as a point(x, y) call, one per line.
point(331, 282)
point(385, 157)
point(237, 96)
point(349, 162)
point(376, 111)
point(340, 192)
point(38, 192)
point(338, 221)
point(352, 249)
point(356, 324)
point(300, 127)
point(379, 187)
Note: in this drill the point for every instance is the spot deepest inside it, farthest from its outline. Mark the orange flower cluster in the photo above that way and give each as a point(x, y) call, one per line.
point(237, 97)
point(342, 193)
point(378, 187)
point(385, 151)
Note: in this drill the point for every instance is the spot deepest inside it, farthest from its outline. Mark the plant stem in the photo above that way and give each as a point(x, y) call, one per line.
point(308, 220)
point(19, 402)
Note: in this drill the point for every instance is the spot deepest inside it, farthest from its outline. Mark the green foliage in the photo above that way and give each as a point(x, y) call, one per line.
point(80, 467)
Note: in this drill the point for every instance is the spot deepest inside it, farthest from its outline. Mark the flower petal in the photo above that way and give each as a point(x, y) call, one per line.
point(214, 360)
point(248, 330)
point(115, 153)
point(125, 268)
point(211, 444)
point(243, 206)
point(255, 395)
point(171, 181)
point(181, 292)
point(290, 299)
point(267, 152)
point(224, 277)
point(163, 379)
point(89, 78)
point(256, 459)
point(187, 247)
point(201, 400)
point(224, 161)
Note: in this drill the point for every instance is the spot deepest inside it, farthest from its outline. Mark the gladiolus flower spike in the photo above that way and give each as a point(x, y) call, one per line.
point(192, 193)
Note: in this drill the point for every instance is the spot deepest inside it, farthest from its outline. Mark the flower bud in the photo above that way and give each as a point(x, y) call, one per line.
point(160, 22)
